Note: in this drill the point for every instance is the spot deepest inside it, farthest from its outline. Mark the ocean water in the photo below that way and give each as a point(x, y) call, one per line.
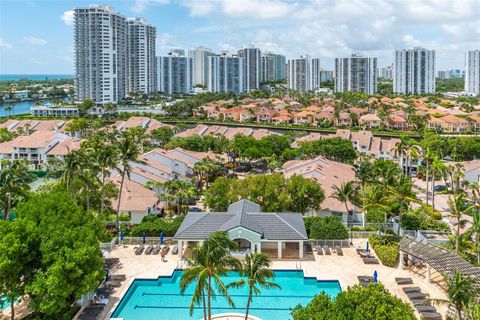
point(22, 107)
point(14, 77)
point(161, 299)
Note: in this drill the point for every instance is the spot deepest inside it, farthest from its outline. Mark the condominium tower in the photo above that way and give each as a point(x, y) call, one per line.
point(273, 67)
point(140, 56)
point(174, 73)
point(472, 72)
point(251, 67)
point(303, 74)
point(199, 57)
point(414, 71)
point(100, 45)
point(356, 74)
point(226, 73)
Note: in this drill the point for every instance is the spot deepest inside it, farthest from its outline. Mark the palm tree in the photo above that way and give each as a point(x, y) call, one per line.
point(71, 167)
point(206, 264)
point(427, 158)
point(256, 273)
point(401, 149)
point(345, 193)
point(14, 179)
point(402, 192)
point(461, 291)
point(376, 197)
point(475, 230)
point(438, 169)
point(457, 210)
point(128, 151)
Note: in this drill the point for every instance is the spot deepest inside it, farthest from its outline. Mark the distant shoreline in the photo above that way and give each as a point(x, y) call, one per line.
point(54, 76)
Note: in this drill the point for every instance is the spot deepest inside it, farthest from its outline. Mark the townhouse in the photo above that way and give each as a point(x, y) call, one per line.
point(328, 174)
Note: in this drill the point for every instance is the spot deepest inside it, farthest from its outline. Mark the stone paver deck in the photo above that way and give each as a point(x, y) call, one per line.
point(344, 268)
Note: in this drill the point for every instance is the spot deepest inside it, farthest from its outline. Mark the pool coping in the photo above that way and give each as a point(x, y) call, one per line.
point(133, 279)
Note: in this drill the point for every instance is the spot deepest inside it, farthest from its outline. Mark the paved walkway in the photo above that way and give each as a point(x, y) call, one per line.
point(344, 268)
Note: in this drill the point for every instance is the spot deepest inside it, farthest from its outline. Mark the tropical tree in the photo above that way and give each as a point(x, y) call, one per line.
point(402, 192)
point(458, 209)
point(461, 292)
point(14, 179)
point(475, 230)
point(345, 193)
point(206, 264)
point(401, 150)
point(128, 150)
point(256, 273)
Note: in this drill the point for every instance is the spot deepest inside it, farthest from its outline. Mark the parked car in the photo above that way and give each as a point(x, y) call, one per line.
point(278, 170)
point(242, 169)
point(195, 209)
point(232, 176)
point(439, 188)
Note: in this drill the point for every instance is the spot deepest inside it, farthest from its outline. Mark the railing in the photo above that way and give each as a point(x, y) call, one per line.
point(363, 234)
point(148, 240)
point(331, 242)
point(107, 247)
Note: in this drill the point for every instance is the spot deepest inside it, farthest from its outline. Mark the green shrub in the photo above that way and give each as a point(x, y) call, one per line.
point(154, 228)
point(375, 215)
point(388, 254)
point(328, 228)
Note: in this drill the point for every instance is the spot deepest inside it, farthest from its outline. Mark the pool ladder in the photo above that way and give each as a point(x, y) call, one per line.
point(298, 265)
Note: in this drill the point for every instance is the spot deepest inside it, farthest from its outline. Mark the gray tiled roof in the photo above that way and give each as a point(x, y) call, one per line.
point(246, 214)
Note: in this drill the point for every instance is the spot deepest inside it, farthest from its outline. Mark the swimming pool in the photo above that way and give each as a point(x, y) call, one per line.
point(161, 298)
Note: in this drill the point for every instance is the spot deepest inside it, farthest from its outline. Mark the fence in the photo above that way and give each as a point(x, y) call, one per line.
point(344, 243)
point(107, 247)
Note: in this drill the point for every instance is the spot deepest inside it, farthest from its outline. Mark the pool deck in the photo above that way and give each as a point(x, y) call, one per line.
point(344, 268)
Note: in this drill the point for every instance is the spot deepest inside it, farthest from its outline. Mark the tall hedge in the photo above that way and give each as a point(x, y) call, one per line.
point(154, 228)
point(327, 228)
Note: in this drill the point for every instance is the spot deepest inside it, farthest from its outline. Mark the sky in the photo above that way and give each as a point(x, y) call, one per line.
point(36, 37)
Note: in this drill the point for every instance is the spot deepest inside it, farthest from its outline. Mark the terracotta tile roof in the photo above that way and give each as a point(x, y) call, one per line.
point(64, 147)
point(325, 172)
point(370, 117)
point(6, 147)
point(38, 139)
point(135, 197)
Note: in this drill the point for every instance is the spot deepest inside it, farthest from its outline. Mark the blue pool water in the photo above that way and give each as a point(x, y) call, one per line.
point(161, 298)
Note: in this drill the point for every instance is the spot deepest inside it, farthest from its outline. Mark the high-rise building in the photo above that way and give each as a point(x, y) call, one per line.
point(174, 73)
point(315, 75)
point(450, 74)
point(356, 74)
point(414, 71)
point(273, 67)
point(385, 72)
point(100, 42)
point(326, 75)
point(140, 56)
point(225, 73)
point(472, 72)
point(252, 67)
point(199, 57)
point(303, 74)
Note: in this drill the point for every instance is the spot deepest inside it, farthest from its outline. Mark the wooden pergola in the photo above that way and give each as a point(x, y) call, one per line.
point(440, 259)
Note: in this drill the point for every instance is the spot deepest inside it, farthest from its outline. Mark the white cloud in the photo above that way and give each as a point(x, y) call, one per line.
point(139, 6)
point(199, 7)
point(410, 41)
point(35, 41)
point(67, 17)
point(4, 45)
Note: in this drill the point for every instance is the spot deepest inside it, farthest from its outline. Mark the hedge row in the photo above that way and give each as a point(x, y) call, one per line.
point(325, 228)
point(386, 248)
point(157, 226)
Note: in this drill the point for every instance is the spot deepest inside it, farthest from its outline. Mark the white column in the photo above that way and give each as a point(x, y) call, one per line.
point(428, 276)
point(300, 249)
point(180, 249)
point(400, 263)
point(279, 250)
point(200, 242)
point(259, 247)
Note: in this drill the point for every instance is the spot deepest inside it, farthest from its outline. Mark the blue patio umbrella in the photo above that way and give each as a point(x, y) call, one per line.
point(375, 277)
point(143, 236)
point(107, 275)
point(121, 235)
point(367, 247)
point(161, 238)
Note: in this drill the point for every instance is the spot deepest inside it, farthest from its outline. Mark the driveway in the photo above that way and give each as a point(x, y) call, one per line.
point(441, 200)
